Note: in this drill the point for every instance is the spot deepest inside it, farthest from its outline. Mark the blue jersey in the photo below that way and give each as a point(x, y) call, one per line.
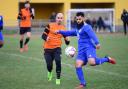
point(86, 37)
point(1, 21)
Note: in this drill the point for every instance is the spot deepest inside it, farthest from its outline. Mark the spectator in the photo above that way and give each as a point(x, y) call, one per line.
point(124, 18)
point(94, 24)
point(73, 23)
point(100, 23)
point(88, 21)
point(108, 24)
point(53, 17)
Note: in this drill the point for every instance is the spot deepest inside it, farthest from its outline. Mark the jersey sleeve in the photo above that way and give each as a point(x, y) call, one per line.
point(68, 33)
point(92, 35)
point(45, 33)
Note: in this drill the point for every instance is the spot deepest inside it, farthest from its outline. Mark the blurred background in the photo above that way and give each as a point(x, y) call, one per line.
point(45, 10)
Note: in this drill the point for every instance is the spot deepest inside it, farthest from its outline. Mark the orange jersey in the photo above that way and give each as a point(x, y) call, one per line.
point(26, 22)
point(54, 40)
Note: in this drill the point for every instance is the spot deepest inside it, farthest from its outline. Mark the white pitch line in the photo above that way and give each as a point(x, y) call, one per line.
point(71, 66)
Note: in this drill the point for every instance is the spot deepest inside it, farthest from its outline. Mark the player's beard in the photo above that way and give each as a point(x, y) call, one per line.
point(80, 25)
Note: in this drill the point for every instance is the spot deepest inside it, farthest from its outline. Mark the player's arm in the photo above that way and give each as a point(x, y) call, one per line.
point(31, 14)
point(67, 32)
point(19, 16)
point(45, 33)
point(93, 36)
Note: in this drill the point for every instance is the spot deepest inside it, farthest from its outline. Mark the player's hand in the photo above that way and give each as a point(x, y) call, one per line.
point(98, 46)
point(67, 38)
point(56, 32)
point(67, 41)
point(32, 16)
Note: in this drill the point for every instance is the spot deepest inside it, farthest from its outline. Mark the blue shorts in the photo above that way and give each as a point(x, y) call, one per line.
point(1, 37)
point(85, 54)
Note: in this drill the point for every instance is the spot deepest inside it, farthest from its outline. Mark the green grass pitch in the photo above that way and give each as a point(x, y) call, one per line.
point(28, 70)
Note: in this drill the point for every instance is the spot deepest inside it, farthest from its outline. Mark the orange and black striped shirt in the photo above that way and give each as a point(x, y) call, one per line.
point(54, 40)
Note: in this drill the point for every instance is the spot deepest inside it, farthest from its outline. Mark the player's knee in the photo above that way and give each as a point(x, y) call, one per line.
point(92, 64)
point(49, 65)
point(29, 35)
point(58, 63)
point(79, 64)
point(21, 39)
point(91, 61)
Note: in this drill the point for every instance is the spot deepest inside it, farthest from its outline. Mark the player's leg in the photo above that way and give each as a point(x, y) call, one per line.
point(1, 40)
point(21, 38)
point(124, 23)
point(57, 55)
point(97, 61)
point(81, 60)
point(21, 42)
point(28, 33)
point(49, 62)
point(126, 27)
point(94, 60)
point(1, 44)
point(79, 63)
point(100, 26)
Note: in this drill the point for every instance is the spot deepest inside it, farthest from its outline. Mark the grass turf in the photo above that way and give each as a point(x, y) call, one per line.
point(28, 70)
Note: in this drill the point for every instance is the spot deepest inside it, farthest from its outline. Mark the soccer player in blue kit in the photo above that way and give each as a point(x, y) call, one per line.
point(1, 35)
point(87, 45)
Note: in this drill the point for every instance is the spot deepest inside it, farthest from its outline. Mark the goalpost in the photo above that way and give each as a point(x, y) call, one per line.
point(93, 13)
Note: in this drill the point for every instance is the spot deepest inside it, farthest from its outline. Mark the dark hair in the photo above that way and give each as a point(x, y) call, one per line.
point(80, 14)
point(27, 2)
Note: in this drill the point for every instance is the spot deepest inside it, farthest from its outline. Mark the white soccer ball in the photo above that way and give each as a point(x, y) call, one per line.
point(70, 51)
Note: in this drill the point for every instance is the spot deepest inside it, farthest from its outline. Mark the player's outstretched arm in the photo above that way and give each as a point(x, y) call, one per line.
point(67, 33)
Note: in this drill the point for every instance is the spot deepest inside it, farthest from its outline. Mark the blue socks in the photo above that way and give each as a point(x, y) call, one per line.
point(101, 60)
point(80, 75)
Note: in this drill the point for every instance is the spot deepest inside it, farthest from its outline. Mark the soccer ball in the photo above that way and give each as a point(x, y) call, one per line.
point(70, 51)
